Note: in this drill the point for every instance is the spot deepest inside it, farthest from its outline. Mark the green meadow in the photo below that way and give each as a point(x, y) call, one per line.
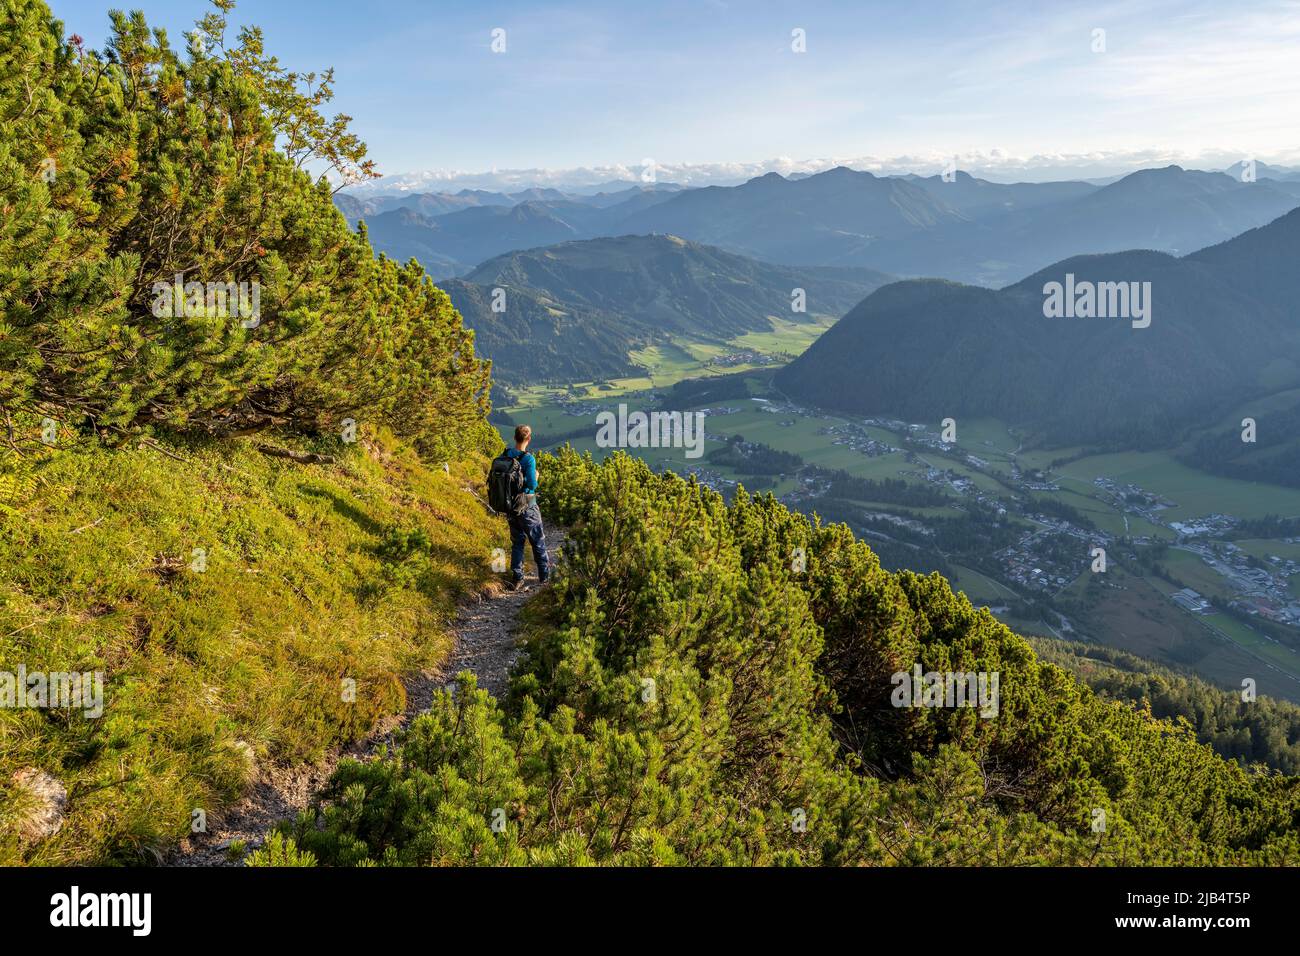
point(682, 358)
point(1194, 492)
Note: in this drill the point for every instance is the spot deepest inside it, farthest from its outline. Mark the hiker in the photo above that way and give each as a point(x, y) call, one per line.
point(512, 490)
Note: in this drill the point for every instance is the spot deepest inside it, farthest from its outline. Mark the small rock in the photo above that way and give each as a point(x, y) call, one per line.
point(247, 755)
point(48, 801)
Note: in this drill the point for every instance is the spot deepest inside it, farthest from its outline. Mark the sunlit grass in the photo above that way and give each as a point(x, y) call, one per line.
point(212, 672)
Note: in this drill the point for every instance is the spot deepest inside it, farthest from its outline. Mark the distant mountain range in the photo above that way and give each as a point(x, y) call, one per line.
point(980, 199)
point(440, 203)
point(965, 228)
point(1170, 210)
point(588, 180)
point(833, 218)
point(451, 233)
point(955, 227)
point(1225, 328)
point(573, 311)
point(1264, 171)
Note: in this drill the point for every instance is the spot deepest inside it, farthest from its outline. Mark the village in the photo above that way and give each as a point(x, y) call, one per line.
point(1051, 555)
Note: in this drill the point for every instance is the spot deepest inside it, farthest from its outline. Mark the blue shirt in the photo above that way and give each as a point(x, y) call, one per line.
point(529, 465)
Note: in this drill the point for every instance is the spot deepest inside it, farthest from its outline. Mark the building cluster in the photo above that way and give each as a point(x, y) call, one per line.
point(773, 407)
point(857, 438)
point(1133, 499)
point(709, 478)
point(1032, 563)
point(1023, 567)
point(580, 408)
point(1260, 591)
point(747, 357)
point(1210, 526)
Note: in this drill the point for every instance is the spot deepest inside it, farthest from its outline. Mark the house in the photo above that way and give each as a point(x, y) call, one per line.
point(1191, 601)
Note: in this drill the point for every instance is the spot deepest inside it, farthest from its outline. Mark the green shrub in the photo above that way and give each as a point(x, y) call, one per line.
point(279, 851)
point(711, 685)
point(167, 164)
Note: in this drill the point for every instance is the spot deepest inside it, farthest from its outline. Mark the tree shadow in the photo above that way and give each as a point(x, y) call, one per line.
point(345, 508)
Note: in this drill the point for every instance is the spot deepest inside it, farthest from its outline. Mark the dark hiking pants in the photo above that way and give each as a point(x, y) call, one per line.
point(528, 527)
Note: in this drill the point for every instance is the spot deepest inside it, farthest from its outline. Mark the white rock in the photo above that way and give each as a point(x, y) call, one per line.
point(43, 805)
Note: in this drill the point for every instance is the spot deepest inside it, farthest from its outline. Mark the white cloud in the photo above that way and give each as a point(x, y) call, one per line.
point(991, 164)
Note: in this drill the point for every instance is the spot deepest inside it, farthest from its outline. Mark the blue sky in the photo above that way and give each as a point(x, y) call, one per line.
point(585, 84)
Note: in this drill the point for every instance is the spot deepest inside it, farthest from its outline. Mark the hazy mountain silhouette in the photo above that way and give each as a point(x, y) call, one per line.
point(1171, 210)
point(832, 218)
point(968, 229)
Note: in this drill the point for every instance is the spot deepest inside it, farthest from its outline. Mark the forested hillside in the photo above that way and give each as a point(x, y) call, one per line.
point(1262, 731)
point(573, 311)
point(536, 338)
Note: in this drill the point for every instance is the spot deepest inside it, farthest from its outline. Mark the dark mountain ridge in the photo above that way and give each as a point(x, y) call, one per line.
point(574, 310)
point(1223, 329)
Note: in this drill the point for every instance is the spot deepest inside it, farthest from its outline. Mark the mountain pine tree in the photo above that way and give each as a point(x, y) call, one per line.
point(128, 174)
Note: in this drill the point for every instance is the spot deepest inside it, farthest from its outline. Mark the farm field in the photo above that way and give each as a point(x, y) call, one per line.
point(786, 338)
point(1137, 616)
point(667, 363)
point(981, 589)
point(988, 438)
point(1263, 548)
point(1194, 493)
point(936, 511)
point(1195, 573)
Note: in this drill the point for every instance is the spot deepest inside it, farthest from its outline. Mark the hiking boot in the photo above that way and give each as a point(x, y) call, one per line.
point(515, 584)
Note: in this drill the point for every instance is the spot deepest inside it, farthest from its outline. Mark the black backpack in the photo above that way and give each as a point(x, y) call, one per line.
point(505, 485)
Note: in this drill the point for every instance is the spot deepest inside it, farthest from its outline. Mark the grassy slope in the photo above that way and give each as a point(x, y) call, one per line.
point(210, 674)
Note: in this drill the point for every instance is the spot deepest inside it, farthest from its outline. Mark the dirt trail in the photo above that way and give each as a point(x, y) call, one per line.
point(485, 645)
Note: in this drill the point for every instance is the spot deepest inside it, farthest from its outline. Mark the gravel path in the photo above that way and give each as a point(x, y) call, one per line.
point(485, 644)
point(484, 639)
point(485, 630)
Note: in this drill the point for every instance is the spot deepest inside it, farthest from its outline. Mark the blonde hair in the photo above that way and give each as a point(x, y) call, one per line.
point(522, 433)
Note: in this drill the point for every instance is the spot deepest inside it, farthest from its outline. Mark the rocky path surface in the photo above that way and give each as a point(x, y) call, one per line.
point(485, 642)
point(485, 630)
point(485, 633)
